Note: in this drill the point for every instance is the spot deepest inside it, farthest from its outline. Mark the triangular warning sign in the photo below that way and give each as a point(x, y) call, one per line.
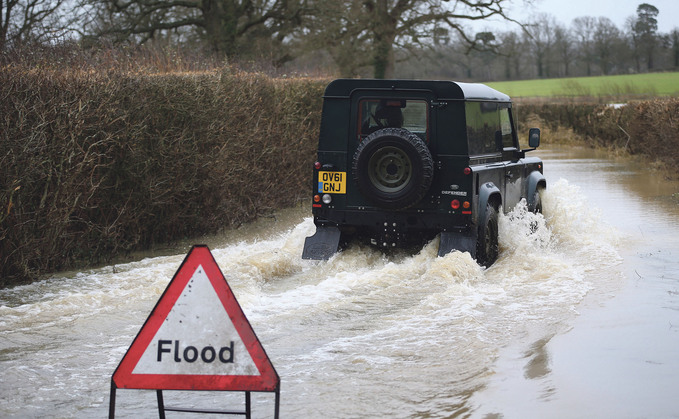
point(197, 338)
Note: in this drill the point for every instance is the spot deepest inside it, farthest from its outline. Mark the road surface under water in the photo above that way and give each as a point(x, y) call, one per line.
point(577, 319)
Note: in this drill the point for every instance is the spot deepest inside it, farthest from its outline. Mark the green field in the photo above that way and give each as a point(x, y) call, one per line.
point(622, 86)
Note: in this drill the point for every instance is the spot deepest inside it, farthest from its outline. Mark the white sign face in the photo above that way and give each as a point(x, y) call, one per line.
point(197, 337)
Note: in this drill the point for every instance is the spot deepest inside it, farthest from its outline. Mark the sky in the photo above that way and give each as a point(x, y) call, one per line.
point(564, 11)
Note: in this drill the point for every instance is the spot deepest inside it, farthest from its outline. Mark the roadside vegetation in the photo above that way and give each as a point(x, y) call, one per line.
point(646, 128)
point(103, 155)
point(428, 39)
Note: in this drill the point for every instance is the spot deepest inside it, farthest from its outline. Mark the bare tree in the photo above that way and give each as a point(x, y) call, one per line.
point(606, 39)
point(338, 28)
point(674, 39)
point(374, 28)
point(540, 37)
point(564, 48)
point(33, 21)
point(224, 25)
point(511, 49)
point(585, 27)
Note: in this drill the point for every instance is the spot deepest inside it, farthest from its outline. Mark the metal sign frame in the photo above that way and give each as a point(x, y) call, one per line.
point(162, 408)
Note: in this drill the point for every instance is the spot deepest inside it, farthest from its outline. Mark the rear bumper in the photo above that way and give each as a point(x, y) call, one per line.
point(392, 228)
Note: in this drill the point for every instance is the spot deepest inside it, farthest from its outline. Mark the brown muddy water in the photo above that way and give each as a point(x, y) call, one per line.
point(577, 319)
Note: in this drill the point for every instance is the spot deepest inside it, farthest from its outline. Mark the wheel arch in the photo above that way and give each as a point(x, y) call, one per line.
point(488, 193)
point(536, 180)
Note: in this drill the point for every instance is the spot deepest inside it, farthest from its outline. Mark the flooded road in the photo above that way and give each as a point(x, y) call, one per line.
point(577, 319)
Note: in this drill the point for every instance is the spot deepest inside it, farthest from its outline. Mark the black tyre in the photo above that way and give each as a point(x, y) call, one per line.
point(393, 168)
point(487, 248)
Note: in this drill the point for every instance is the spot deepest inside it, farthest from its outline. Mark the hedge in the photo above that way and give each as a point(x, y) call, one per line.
point(95, 164)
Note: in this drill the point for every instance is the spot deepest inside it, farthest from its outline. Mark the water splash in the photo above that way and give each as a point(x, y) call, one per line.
point(399, 328)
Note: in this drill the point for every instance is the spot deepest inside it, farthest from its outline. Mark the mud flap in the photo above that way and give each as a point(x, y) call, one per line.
point(457, 241)
point(323, 244)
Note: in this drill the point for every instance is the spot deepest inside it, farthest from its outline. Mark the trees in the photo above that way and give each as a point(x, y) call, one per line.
point(674, 39)
point(223, 25)
point(540, 37)
point(606, 38)
point(511, 50)
point(584, 28)
point(337, 27)
point(356, 37)
point(564, 49)
point(401, 22)
point(644, 34)
point(355, 33)
point(33, 21)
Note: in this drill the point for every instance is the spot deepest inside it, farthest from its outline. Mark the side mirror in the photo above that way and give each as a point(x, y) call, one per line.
point(534, 138)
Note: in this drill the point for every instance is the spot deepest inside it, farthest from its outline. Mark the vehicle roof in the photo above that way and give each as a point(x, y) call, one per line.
point(443, 89)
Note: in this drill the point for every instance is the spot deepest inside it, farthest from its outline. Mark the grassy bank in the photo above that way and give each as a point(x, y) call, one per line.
point(601, 88)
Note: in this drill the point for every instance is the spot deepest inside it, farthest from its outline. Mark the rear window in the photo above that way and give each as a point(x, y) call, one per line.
point(375, 114)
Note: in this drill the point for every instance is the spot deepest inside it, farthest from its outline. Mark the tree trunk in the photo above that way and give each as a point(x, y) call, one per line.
point(383, 66)
point(384, 36)
point(221, 25)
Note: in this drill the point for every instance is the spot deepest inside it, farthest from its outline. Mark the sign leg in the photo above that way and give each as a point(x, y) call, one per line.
point(161, 404)
point(112, 401)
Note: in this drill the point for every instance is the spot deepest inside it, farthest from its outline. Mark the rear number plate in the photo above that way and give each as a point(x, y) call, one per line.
point(332, 182)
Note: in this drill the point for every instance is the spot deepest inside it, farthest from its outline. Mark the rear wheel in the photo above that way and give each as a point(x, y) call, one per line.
point(487, 247)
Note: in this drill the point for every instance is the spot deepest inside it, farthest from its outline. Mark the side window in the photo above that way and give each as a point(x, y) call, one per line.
point(489, 127)
point(483, 127)
point(375, 114)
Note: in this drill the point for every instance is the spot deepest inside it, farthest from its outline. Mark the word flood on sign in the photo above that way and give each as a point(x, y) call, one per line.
point(208, 354)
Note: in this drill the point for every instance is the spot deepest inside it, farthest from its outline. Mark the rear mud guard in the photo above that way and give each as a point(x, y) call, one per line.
point(323, 244)
point(457, 241)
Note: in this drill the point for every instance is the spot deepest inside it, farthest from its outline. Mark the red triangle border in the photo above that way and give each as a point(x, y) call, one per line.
point(268, 379)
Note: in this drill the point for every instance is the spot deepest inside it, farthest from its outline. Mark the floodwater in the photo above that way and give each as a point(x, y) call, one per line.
point(579, 318)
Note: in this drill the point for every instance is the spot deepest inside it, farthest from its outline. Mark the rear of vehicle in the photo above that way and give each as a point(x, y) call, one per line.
point(379, 177)
point(394, 168)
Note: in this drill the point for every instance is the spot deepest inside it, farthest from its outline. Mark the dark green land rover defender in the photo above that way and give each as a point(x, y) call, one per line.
point(401, 161)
